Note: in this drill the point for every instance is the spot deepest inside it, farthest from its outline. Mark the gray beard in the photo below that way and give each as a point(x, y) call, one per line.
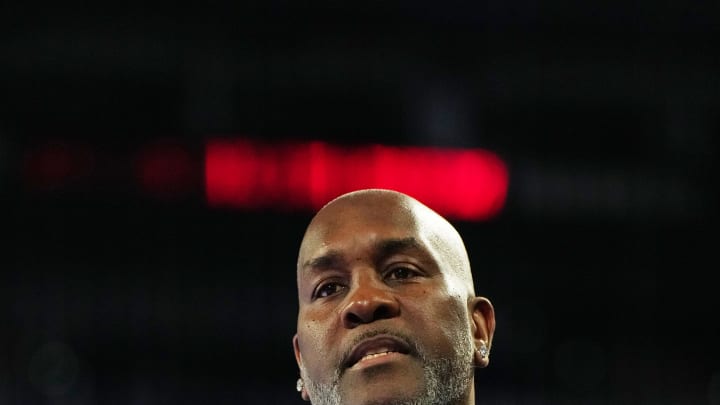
point(446, 380)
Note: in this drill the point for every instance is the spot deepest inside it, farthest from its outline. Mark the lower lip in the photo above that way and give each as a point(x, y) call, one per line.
point(374, 361)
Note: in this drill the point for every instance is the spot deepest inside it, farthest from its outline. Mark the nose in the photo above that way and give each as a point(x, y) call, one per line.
point(370, 300)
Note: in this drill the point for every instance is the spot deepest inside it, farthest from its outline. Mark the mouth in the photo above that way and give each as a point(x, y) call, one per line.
point(376, 350)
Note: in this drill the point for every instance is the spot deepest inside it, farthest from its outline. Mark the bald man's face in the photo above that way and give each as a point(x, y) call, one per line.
point(381, 318)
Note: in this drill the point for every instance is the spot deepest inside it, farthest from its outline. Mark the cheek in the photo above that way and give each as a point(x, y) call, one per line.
point(450, 323)
point(310, 336)
point(457, 312)
point(313, 340)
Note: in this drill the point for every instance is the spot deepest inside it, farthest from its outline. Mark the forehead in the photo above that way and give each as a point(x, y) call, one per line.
point(347, 223)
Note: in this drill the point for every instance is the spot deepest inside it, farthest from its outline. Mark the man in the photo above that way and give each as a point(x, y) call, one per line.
point(387, 308)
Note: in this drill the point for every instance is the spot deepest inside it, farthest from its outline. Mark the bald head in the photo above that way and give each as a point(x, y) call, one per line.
point(394, 215)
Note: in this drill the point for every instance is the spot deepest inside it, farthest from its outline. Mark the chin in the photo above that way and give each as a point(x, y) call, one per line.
point(379, 398)
point(378, 387)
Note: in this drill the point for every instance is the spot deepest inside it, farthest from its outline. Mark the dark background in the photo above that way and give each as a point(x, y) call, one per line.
point(599, 265)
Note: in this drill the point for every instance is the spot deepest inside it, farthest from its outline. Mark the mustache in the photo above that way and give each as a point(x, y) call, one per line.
point(415, 349)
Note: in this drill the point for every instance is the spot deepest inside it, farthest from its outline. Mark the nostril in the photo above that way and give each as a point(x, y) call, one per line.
point(383, 312)
point(352, 319)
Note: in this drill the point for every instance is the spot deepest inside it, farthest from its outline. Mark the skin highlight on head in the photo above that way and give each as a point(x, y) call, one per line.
point(387, 308)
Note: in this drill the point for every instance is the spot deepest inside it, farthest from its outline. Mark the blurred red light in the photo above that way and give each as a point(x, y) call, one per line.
point(466, 184)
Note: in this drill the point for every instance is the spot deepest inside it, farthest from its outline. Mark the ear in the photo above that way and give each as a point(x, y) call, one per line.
point(296, 348)
point(482, 322)
point(298, 359)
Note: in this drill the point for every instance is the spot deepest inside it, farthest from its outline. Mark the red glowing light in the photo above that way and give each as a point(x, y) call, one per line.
point(459, 183)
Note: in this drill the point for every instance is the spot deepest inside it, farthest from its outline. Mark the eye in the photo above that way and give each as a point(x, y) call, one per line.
point(327, 289)
point(402, 273)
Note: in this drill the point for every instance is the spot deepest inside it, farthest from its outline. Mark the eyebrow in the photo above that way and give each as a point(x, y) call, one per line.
point(388, 247)
point(331, 259)
point(383, 249)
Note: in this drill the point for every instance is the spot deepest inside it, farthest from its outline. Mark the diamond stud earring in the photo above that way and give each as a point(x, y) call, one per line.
point(299, 385)
point(483, 350)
